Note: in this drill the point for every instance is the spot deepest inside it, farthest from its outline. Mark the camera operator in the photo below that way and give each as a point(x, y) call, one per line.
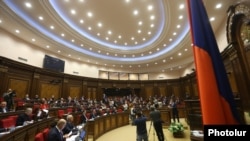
point(155, 117)
point(141, 128)
point(8, 97)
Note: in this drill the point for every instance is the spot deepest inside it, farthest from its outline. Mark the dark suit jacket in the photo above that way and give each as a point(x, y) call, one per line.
point(54, 135)
point(83, 119)
point(1, 110)
point(22, 118)
point(68, 127)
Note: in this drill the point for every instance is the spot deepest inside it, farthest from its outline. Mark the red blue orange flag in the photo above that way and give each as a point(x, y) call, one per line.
point(216, 97)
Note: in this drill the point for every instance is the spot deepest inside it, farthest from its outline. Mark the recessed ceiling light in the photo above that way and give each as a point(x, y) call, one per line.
point(178, 26)
point(152, 17)
point(158, 49)
point(135, 12)
point(81, 21)
point(89, 28)
point(62, 35)
point(127, 1)
point(99, 51)
point(132, 38)
point(170, 39)
point(33, 40)
point(179, 54)
point(73, 11)
point(58, 51)
point(52, 27)
point(140, 23)
point(212, 19)
point(109, 32)
point(119, 36)
point(150, 7)
point(81, 45)
point(107, 38)
point(99, 24)
point(69, 55)
point(17, 31)
point(40, 18)
point(47, 46)
point(174, 33)
point(27, 4)
point(218, 5)
point(180, 17)
point(149, 33)
point(181, 6)
point(139, 31)
point(152, 25)
point(89, 14)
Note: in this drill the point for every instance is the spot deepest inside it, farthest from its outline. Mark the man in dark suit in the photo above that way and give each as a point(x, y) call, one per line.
point(25, 118)
point(69, 125)
point(8, 97)
point(3, 108)
point(55, 133)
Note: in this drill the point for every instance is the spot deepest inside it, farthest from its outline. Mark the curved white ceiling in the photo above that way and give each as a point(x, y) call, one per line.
point(113, 32)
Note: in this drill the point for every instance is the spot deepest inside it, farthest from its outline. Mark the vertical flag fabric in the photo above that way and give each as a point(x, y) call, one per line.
point(216, 97)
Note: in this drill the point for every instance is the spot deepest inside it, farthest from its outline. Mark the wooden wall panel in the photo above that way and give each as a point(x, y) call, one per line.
point(163, 91)
point(21, 86)
point(75, 91)
point(47, 90)
point(149, 91)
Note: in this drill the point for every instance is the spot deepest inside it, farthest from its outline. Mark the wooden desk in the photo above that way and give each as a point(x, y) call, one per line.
point(103, 124)
point(28, 132)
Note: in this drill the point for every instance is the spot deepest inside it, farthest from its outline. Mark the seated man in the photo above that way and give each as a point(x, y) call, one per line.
point(69, 125)
point(3, 108)
point(55, 133)
point(24, 118)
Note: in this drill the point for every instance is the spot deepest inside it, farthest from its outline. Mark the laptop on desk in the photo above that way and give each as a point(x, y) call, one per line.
point(81, 136)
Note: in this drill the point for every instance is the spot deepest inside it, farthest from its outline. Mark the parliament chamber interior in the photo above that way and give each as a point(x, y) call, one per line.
point(42, 89)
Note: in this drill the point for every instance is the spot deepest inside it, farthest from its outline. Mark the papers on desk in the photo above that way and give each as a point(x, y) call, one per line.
point(197, 133)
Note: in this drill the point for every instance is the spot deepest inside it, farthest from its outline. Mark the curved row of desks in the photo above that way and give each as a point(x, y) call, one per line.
point(95, 128)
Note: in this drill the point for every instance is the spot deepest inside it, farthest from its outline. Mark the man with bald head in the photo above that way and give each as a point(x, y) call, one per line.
point(3, 107)
point(55, 133)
